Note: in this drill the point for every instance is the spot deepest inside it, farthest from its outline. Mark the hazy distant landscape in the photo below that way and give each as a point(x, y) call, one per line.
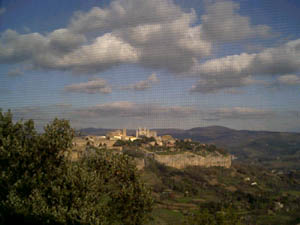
point(150, 112)
point(274, 150)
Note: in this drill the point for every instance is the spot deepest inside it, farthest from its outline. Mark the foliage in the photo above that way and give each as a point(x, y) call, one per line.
point(227, 216)
point(135, 153)
point(198, 148)
point(120, 143)
point(39, 185)
point(216, 190)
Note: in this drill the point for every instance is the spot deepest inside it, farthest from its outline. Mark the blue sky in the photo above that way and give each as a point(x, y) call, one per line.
point(154, 63)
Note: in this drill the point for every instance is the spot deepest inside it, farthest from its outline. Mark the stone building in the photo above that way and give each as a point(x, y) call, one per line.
point(117, 134)
point(144, 132)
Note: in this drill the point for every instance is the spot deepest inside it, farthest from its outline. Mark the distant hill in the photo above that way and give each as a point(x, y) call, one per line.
point(279, 150)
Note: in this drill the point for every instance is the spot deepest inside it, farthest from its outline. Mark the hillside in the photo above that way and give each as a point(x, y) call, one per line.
point(256, 194)
point(182, 189)
point(277, 150)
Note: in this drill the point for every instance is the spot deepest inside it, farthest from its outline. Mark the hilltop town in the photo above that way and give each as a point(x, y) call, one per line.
point(147, 145)
point(112, 138)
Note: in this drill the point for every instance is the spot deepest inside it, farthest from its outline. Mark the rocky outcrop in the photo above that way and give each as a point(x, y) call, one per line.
point(185, 159)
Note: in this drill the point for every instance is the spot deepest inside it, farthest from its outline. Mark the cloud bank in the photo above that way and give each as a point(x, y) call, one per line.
point(153, 33)
point(156, 34)
point(94, 86)
point(237, 70)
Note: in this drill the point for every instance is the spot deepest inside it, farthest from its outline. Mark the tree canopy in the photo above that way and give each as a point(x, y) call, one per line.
point(39, 185)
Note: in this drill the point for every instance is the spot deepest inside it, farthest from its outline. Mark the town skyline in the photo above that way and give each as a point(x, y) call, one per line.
point(155, 63)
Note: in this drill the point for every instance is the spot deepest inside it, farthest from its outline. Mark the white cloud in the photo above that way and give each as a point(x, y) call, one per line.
point(124, 14)
point(15, 48)
point(152, 33)
point(62, 50)
point(94, 86)
point(156, 34)
point(285, 81)
point(282, 60)
point(221, 22)
point(174, 45)
point(279, 60)
point(290, 79)
point(233, 71)
point(105, 52)
point(228, 66)
point(143, 84)
point(163, 33)
point(2, 10)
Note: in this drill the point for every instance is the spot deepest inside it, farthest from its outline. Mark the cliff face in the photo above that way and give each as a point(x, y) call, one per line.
point(181, 161)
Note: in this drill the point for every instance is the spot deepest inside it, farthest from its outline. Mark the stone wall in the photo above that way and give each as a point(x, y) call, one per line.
point(183, 160)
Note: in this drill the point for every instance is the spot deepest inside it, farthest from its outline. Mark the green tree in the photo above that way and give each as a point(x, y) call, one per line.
point(120, 143)
point(39, 185)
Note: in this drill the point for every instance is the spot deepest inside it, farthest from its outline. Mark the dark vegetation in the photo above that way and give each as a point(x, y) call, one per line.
point(179, 146)
point(198, 148)
point(242, 194)
point(39, 185)
point(135, 143)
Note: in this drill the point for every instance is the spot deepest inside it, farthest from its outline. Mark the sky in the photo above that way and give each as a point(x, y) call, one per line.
point(152, 63)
